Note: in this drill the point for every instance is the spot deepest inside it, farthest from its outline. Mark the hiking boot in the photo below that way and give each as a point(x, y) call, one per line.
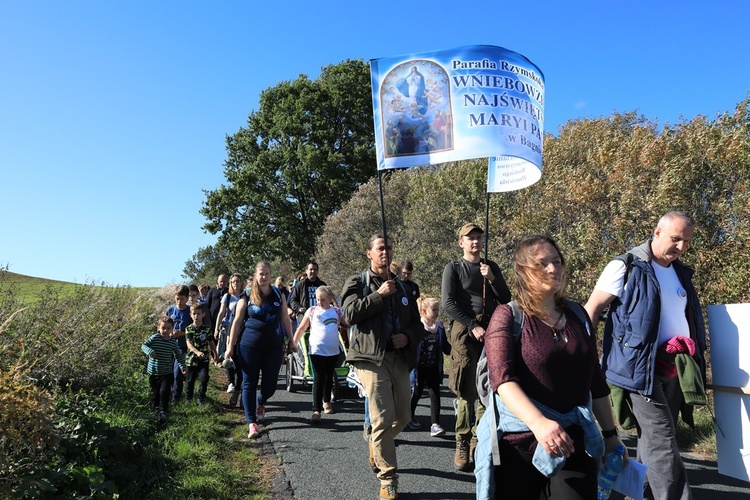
point(328, 407)
point(254, 431)
point(315, 418)
point(371, 459)
point(472, 447)
point(414, 425)
point(436, 431)
point(461, 458)
point(366, 431)
point(260, 413)
point(388, 492)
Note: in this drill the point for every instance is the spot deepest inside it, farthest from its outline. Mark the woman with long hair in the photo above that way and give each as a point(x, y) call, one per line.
point(224, 322)
point(549, 385)
point(260, 347)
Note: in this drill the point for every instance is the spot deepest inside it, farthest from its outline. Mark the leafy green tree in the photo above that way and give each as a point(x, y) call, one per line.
point(207, 264)
point(304, 152)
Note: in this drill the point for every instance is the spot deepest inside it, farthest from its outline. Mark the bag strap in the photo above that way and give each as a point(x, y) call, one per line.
point(518, 320)
point(583, 316)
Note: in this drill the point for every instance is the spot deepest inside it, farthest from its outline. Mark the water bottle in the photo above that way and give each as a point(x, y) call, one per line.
point(608, 473)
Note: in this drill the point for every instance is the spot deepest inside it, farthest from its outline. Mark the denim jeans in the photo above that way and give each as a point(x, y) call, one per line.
point(252, 361)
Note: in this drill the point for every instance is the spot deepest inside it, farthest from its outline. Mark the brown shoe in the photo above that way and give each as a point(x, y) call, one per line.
point(472, 447)
point(461, 458)
point(388, 492)
point(371, 459)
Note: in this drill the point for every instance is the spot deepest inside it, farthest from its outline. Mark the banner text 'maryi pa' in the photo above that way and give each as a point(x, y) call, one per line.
point(470, 102)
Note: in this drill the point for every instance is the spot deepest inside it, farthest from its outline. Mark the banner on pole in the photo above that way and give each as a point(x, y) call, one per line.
point(464, 103)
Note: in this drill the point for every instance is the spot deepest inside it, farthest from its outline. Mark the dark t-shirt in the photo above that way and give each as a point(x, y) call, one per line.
point(462, 288)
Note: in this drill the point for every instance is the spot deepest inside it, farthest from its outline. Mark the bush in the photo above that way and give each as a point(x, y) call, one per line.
point(64, 359)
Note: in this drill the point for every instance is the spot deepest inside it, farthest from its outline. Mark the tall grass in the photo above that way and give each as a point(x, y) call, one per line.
point(77, 421)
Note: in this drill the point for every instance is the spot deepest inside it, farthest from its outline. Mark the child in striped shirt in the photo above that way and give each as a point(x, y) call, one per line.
point(162, 351)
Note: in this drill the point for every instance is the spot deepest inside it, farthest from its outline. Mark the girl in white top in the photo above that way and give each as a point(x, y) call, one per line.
point(323, 321)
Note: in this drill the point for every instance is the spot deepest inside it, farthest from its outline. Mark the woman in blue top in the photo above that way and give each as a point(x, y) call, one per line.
point(260, 348)
point(224, 322)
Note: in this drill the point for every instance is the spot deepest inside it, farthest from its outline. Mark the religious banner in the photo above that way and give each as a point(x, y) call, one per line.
point(464, 103)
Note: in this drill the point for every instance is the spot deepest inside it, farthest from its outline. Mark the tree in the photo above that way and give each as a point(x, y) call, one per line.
point(606, 183)
point(207, 263)
point(304, 152)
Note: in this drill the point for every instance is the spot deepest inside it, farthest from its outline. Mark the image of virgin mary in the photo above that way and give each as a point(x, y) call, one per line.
point(413, 87)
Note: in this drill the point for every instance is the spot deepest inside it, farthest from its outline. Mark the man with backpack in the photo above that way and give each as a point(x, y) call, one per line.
point(302, 296)
point(387, 329)
point(654, 322)
point(471, 290)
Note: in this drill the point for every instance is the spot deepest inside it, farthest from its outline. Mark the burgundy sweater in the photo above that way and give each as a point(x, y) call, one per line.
point(559, 374)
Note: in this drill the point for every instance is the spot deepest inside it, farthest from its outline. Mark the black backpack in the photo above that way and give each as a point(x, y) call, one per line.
point(483, 378)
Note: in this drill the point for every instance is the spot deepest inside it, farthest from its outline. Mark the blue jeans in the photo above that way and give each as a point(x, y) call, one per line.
point(179, 381)
point(367, 411)
point(252, 361)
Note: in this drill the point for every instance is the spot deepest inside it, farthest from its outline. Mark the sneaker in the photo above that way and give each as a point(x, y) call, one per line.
point(461, 458)
point(388, 492)
point(199, 402)
point(233, 399)
point(230, 389)
point(366, 431)
point(414, 425)
point(436, 431)
point(260, 413)
point(254, 431)
point(315, 418)
point(328, 407)
point(162, 417)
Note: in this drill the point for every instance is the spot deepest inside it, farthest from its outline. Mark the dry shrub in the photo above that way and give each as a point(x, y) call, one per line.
point(26, 412)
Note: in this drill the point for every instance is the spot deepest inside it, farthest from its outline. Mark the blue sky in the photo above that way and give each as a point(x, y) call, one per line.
point(113, 115)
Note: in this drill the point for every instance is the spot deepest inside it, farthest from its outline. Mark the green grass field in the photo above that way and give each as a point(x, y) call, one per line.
point(29, 289)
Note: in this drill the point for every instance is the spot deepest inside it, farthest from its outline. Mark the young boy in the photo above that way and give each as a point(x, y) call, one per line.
point(200, 344)
point(180, 314)
point(161, 350)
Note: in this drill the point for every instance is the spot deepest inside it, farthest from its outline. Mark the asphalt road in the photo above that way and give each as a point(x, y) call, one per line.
point(329, 461)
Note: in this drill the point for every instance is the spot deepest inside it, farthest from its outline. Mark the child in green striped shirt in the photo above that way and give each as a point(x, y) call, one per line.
point(162, 351)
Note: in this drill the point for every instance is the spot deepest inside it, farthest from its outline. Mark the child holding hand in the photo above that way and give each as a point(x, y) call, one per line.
point(162, 351)
point(323, 320)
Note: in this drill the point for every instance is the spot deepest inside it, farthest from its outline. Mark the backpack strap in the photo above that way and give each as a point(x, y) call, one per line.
point(364, 278)
point(583, 316)
point(483, 380)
